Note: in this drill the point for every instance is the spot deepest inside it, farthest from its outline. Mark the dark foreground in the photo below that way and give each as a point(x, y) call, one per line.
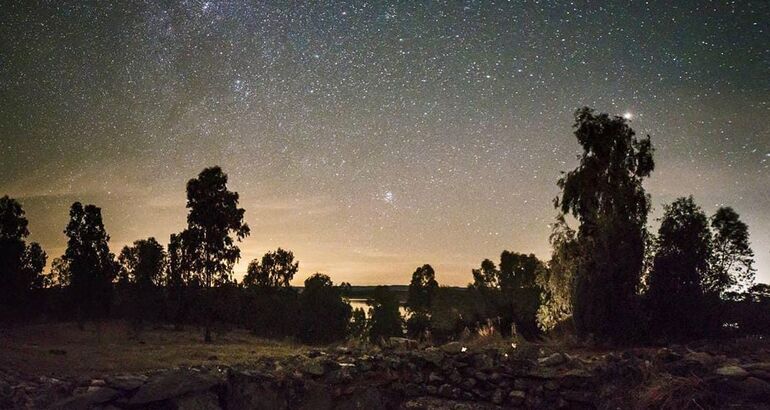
point(734, 374)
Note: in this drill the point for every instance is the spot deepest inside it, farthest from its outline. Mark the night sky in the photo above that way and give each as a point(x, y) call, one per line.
point(372, 138)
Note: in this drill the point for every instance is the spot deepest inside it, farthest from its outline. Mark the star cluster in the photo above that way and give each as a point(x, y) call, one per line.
point(373, 137)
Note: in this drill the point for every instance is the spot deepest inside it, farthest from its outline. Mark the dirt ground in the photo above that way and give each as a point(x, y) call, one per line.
point(61, 349)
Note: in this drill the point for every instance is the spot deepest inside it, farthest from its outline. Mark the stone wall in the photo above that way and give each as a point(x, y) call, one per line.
point(450, 376)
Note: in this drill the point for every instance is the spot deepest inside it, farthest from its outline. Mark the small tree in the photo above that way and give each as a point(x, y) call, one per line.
point(21, 265)
point(214, 216)
point(182, 257)
point(677, 281)
point(89, 261)
point(557, 280)
point(422, 288)
point(385, 319)
point(141, 271)
point(324, 316)
point(276, 270)
point(732, 260)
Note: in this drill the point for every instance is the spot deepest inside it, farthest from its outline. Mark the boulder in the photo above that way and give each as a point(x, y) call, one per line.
point(452, 348)
point(732, 372)
point(126, 382)
point(402, 343)
point(432, 355)
point(517, 397)
point(552, 360)
point(175, 383)
point(92, 397)
point(198, 401)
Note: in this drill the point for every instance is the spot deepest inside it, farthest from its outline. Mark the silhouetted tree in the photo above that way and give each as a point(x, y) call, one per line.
point(180, 267)
point(325, 316)
point(143, 262)
point(91, 265)
point(385, 319)
point(141, 272)
point(732, 262)
point(486, 277)
point(511, 292)
point(519, 275)
point(359, 325)
point(676, 285)
point(557, 280)
point(275, 271)
point(422, 288)
point(21, 265)
point(214, 216)
point(605, 194)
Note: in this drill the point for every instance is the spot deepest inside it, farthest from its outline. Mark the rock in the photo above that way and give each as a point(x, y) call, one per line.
point(732, 372)
point(755, 389)
point(126, 382)
point(435, 377)
point(497, 396)
point(314, 366)
point(445, 390)
point(483, 361)
point(244, 392)
point(552, 360)
point(517, 397)
point(453, 348)
point(57, 352)
point(92, 397)
point(175, 383)
point(198, 401)
point(432, 355)
point(402, 343)
point(98, 382)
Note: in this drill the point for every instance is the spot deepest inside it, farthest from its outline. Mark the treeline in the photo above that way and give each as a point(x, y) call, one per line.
point(609, 279)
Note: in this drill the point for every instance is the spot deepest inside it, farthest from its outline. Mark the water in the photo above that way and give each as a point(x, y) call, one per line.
point(361, 304)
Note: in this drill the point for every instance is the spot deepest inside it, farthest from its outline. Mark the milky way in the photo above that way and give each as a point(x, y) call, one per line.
point(370, 138)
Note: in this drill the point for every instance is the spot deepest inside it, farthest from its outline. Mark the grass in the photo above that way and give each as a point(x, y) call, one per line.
point(61, 349)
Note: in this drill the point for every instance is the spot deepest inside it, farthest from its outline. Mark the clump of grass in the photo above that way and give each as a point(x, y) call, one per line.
point(673, 392)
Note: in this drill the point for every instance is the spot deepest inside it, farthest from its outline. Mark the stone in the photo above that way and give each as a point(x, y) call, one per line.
point(755, 388)
point(126, 382)
point(435, 377)
point(732, 372)
point(198, 401)
point(517, 397)
point(402, 343)
point(552, 360)
point(314, 367)
point(497, 396)
point(243, 393)
point(453, 348)
point(98, 382)
point(445, 390)
point(175, 383)
point(432, 355)
point(92, 397)
point(58, 352)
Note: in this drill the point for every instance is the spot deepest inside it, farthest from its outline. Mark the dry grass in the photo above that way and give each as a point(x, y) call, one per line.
point(63, 350)
point(673, 392)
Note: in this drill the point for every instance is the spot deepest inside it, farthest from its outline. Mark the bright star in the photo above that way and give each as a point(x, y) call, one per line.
point(628, 115)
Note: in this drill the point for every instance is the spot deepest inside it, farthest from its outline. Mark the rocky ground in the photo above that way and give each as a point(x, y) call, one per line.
point(407, 377)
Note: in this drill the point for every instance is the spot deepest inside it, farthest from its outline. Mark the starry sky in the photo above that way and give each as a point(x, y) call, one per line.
point(373, 137)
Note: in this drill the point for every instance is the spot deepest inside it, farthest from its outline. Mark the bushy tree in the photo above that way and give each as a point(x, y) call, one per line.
point(677, 303)
point(276, 270)
point(90, 264)
point(605, 194)
point(422, 288)
point(385, 319)
point(557, 280)
point(325, 316)
point(180, 279)
point(732, 259)
point(21, 265)
point(140, 274)
point(142, 263)
point(359, 325)
point(511, 292)
point(216, 223)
